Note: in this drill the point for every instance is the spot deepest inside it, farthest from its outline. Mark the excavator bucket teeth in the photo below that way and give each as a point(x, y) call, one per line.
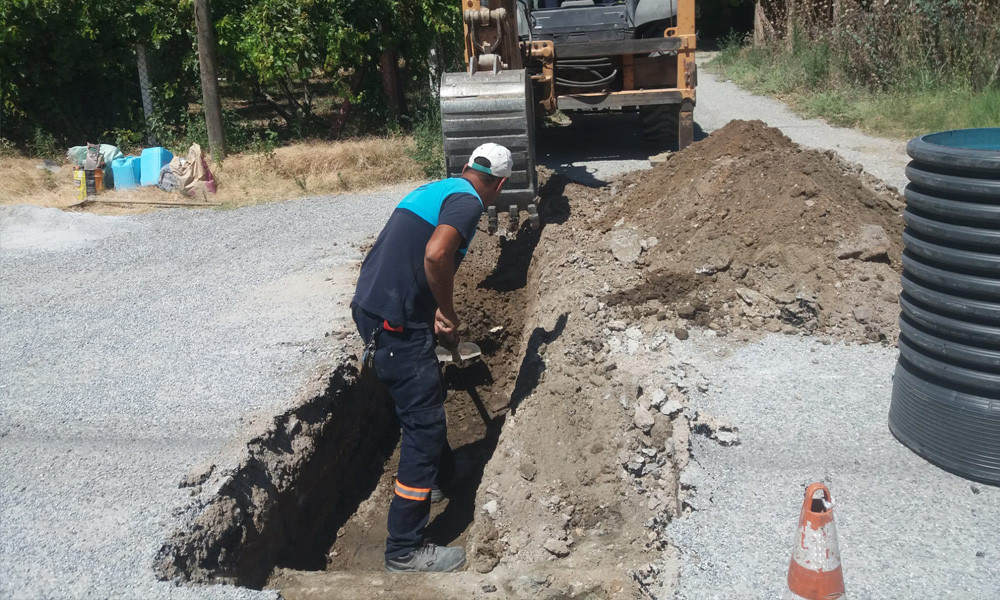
point(491, 107)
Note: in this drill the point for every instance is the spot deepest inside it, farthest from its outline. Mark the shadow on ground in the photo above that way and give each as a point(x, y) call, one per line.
point(597, 146)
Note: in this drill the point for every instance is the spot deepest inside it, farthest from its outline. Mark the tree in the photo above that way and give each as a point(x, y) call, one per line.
point(70, 68)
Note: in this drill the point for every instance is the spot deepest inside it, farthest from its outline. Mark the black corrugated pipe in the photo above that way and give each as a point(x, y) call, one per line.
point(946, 389)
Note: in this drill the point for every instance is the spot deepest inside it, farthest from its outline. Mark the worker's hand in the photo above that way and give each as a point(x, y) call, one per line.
point(446, 328)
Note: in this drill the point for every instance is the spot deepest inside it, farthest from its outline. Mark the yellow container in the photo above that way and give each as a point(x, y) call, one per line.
point(88, 183)
point(80, 178)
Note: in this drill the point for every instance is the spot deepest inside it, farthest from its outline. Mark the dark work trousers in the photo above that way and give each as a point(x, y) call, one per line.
point(405, 362)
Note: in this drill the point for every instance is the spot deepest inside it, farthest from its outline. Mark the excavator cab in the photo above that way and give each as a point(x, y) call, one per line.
point(533, 57)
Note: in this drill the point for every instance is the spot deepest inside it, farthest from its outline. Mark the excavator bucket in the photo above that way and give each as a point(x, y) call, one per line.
point(493, 107)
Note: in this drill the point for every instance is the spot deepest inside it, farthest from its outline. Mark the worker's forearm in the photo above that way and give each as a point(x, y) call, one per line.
point(441, 279)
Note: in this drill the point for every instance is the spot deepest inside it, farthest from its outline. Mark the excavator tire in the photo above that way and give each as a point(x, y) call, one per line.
point(660, 123)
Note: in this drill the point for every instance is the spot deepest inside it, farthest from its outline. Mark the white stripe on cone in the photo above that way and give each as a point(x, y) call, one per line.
point(817, 549)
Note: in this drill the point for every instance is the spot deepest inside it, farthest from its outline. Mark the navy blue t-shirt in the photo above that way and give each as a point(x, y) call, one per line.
point(393, 284)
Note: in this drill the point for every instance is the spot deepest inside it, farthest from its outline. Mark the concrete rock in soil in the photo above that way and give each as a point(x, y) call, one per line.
point(872, 243)
point(556, 547)
point(528, 470)
point(686, 311)
point(643, 418)
point(661, 431)
point(675, 403)
point(636, 465)
point(625, 245)
point(681, 333)
point(751, 297)
point(671, 407)
point(862, 314)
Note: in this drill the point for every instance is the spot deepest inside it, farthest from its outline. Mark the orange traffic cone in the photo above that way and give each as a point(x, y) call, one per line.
point(815, 573)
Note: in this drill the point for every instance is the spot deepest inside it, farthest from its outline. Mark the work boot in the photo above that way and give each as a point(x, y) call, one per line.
point(429, 559)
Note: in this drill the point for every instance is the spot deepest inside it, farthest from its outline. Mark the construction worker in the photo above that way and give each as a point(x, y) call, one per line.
point(403, 300)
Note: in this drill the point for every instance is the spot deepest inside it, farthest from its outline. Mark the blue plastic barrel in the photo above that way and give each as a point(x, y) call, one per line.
point(153, 160)
point(946, 389)
point(126, 172)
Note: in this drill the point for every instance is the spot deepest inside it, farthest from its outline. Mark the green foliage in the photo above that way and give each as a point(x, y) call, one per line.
point(428, 148)
point(240, 136)
point(815, 61)
point(7, 148)
point(264, 142)
point(69, 67)
point(43, 145)
point(835, 107)
point(730, 47)
point(899, 68)
point(129, 141)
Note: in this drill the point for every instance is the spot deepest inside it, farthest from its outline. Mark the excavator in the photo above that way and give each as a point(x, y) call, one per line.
point(533, 57)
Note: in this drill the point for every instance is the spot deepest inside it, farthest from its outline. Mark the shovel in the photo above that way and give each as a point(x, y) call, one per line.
point(463, 356)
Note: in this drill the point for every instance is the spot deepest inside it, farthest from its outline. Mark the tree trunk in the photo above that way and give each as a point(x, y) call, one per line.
point(789, 23)
point(345, 105)
point(276, 106)
point(388, 66)
point(211, 101)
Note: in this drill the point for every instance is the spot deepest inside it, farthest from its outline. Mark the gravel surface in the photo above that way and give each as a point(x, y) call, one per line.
point(813, 412)
point(134, 348)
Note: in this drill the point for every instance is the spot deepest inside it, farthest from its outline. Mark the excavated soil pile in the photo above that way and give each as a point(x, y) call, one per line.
point(746, 229)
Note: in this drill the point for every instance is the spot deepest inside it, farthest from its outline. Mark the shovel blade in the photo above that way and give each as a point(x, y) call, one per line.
point(465, 353)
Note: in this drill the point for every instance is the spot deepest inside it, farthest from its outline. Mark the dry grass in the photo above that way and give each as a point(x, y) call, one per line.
point(898, 68)
point(316, 168)
point(306, 169)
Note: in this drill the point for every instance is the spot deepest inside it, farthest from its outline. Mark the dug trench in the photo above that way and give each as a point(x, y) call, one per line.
point(539, 500)
point(572, 435)
point(305, 512)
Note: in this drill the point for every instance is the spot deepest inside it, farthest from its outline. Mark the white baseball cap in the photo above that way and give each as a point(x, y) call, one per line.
point(500, 162)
